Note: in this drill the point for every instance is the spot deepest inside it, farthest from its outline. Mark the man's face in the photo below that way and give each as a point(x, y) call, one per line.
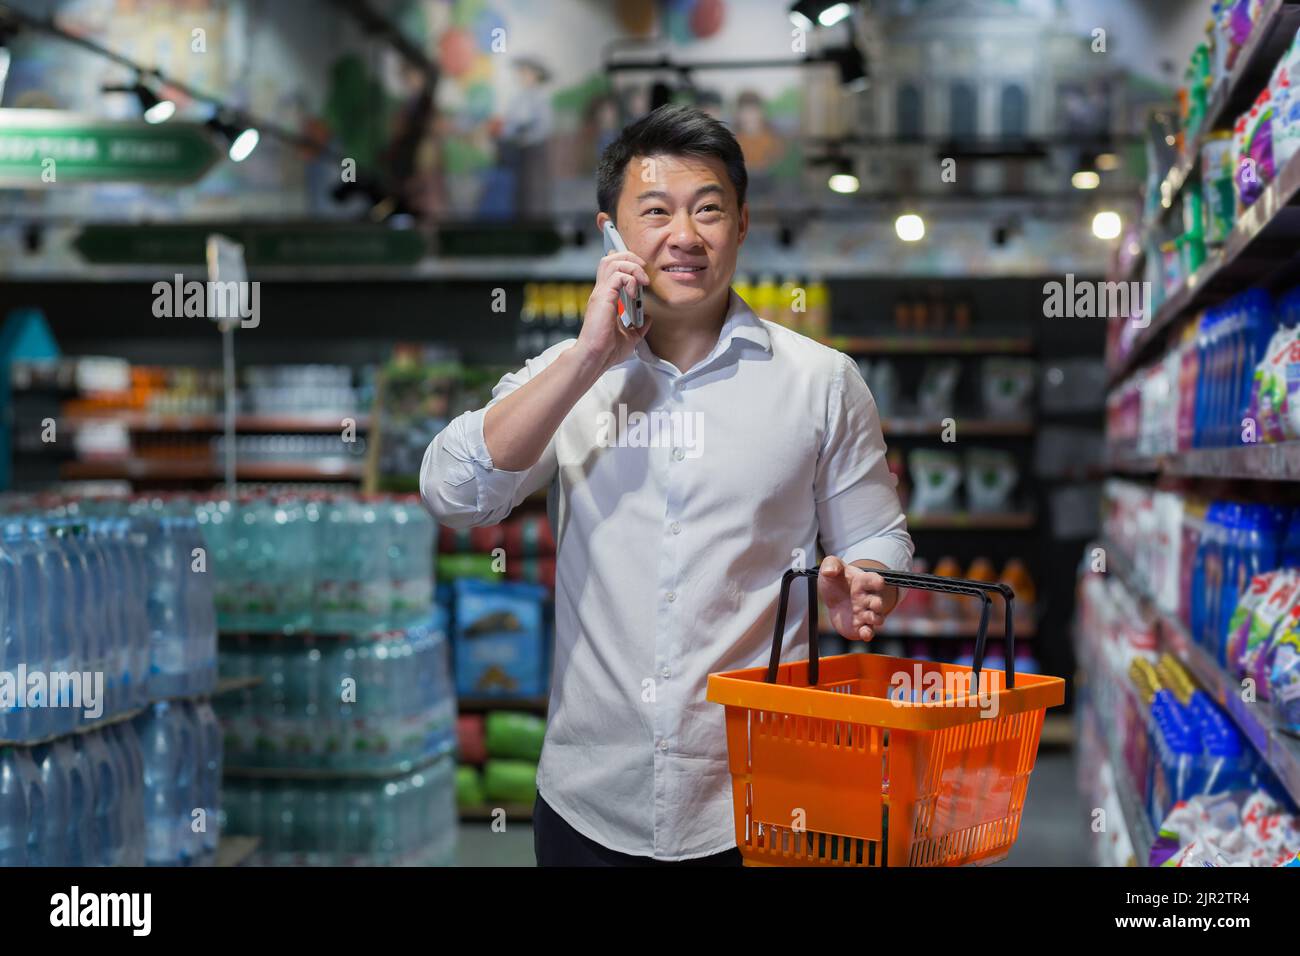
point(680, 214)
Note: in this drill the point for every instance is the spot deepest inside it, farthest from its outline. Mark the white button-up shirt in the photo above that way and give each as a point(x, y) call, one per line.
point(678, 499)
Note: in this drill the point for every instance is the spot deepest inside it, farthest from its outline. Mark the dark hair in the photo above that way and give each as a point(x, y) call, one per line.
point(669, 131)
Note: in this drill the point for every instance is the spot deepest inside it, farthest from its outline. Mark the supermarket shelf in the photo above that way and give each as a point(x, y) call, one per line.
point(91, 727)
point(928, 344)
point(1272, 35)
point(229, 685)
point(482, 704)
point(982, 427)
point(1278, 461)
point(235, 850)
point(312, 773)
point(1280, 750)
point(1263, 240)
point(1140, 831)
point(483, 814)
point(149, 422)
point(970, 521)
point(208, 470)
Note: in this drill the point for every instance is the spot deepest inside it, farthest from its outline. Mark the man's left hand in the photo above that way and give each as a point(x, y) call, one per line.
point(857, 598)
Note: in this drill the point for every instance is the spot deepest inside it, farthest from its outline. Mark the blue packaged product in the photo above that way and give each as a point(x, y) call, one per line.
point(1258, 325)
point(499, 638)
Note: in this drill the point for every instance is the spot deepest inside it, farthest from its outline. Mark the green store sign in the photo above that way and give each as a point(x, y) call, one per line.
point(45, 148)
point(273, 245)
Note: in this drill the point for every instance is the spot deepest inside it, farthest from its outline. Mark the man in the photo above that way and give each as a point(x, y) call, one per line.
point(690, 462)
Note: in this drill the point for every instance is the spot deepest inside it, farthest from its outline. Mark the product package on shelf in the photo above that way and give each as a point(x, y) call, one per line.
point(338, 564)
point(377, 704)
point(405, 820)
point(131, 793)
point(500, 638)
point(106, 605)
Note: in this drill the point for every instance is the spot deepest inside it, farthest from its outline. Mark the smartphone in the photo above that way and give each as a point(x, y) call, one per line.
point(629, 304)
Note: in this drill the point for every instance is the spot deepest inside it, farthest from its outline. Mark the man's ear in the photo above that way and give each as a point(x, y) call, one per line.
point(601, 219)
point(744, 224)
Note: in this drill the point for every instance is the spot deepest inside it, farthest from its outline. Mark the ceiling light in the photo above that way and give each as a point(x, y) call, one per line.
point(833, 14)
point(910, 227)
point(1107, 162)
point(1085, 179)
point(1107, 224)
point(843, 183)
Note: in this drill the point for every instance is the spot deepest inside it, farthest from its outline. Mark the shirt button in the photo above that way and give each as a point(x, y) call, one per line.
point(671, 597)
point(677, 529)
point(664, 673)
point(678, 454)
point(663, 746)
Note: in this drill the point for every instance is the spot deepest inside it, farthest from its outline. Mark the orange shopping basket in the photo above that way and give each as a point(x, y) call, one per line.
point(870, 760)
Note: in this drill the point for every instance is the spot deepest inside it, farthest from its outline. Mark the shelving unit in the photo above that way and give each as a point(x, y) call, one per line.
point(1260, 250)
point(971, 521)
point(1272, 35)
point(347, 469)
point(1262, 462)
point(149, 422)
point(1280, 750)
point(973, 427)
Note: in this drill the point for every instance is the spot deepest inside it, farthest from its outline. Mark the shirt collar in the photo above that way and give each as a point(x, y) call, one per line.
point(740, 323)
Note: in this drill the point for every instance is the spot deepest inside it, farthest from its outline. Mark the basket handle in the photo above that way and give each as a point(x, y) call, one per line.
point(906, 579)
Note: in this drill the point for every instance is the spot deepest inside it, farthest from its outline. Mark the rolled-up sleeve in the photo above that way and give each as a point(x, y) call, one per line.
point(458, 482)
point(858, 512)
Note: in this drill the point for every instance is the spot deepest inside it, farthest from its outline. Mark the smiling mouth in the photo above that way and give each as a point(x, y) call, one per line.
point(686, 269)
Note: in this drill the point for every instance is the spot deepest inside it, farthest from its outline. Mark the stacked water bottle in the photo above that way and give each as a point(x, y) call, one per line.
point(325, 564)
point(339, 704)
point(326, 602)
point(407, 820)
point(105, 613)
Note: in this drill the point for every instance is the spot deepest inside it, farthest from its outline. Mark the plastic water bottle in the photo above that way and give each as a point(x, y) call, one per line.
point(13, 809)
point(187, 798)
point(13, 649)
point(36, 808)
point(35, 611)
point(132, 546)
point(122, 738)
point(82, 840)
point(108, 797)
point(63, 624)
point(209, 777)
point(201, 615)
point(160, 747)
point(57, 787)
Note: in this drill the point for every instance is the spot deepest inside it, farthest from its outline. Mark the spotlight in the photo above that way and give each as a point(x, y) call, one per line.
point(833, 14)
point(1085, 179)
point(843, 183)
point(910, 227)
point(156, 109)
point(1107, 162)
point(808, 13)
point(1107, 224)
point(851, 63)
point(843, 178)
point(243, 139)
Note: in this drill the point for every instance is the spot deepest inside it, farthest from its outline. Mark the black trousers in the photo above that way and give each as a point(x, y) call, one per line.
point(558, 844)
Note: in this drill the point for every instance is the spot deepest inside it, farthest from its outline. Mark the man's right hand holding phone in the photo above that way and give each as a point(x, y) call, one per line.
point(604, 339)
